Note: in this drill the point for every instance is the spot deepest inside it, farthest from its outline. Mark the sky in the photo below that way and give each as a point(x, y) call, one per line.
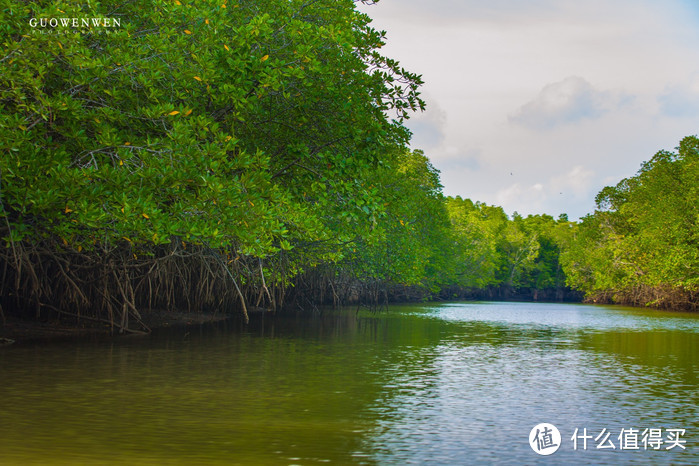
point(535, 106)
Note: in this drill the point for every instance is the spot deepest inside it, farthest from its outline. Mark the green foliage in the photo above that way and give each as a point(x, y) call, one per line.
point(517, 255)
point(477, 229)
point(411, 234)
point(249, 126)
point(194, 141)
point(642, 245)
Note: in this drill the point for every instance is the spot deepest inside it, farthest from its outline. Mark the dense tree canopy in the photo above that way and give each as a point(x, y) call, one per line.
point(515, 257)
point(252, 129)
point(642, 245)
point(241, 125)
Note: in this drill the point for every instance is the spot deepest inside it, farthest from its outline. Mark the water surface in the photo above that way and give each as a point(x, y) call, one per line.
point(457, 383)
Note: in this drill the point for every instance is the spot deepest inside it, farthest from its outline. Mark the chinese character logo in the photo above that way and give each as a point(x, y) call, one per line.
point(628, 439)
point(545, 439)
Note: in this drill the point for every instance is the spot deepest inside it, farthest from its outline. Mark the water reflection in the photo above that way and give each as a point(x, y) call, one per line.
point(456, 383)
point(502, 370)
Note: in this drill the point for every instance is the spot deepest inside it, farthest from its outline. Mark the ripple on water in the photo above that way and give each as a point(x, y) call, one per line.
point(480, 388)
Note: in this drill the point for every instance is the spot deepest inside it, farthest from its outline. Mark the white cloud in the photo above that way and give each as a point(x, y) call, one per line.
point(521, 197)
point(565, 102)
point(577, 182)
point(681, 99)
point(428, 127)
point(500, 136)
point(453, 160)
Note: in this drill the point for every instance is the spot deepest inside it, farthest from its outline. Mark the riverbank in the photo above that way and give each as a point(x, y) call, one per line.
point(15, 330)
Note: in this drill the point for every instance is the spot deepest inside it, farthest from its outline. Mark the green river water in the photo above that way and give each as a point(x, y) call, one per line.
point(456, 383)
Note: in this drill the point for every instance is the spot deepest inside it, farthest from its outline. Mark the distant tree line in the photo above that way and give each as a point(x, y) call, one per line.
point(215, 155)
